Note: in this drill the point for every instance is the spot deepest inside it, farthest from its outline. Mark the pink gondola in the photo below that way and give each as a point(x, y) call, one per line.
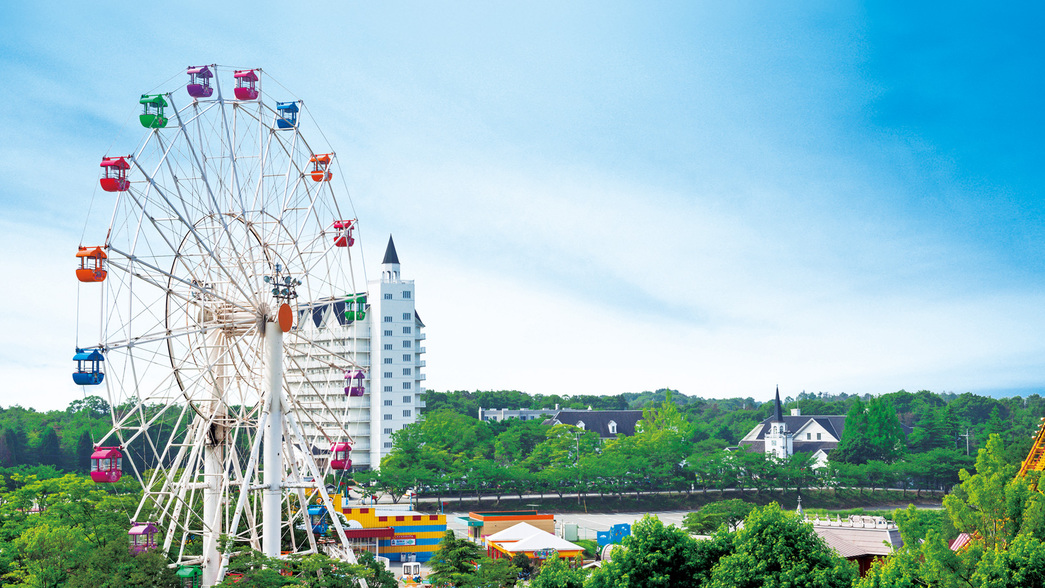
point(106, 464)
point(340, 456)
point(246, 84)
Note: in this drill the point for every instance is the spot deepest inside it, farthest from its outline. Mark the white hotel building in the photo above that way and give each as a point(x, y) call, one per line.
point(387, 343)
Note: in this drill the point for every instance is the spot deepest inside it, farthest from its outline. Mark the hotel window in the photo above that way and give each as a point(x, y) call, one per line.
point(406, 385)
point(388, 374)
point(388, 417)
point(388, 403)
point(406, 293)
point(388, 332)
point(388, 346)
point(809, 436)
point(388, 388)
point(388, 360)
point(388, 431)
point(406, 330)
point(388, 296)
point(818, 436)
point(388, 319)
point(406, 316)
point(406, 357)
point(407, 399)
point(406, 344)
point(407, 371)
point(406, 413)
point(388, 444)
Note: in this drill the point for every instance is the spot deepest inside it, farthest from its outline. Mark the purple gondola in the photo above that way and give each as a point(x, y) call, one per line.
point(199, 82)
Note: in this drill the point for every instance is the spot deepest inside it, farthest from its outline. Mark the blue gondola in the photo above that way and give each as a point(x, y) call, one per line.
point(317, 518)
point(88, 367)
point(286, 115)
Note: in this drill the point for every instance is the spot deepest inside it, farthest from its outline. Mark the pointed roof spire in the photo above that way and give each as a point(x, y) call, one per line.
point(390, 253)
point(779, 413)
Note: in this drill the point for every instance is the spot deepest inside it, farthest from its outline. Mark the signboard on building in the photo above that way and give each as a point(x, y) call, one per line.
point(404, 540)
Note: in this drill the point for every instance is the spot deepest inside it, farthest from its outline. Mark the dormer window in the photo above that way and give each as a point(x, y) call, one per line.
point(580, 425)
point(613, 427)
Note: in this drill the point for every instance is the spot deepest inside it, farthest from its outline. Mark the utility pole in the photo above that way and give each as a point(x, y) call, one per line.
point(966, 435)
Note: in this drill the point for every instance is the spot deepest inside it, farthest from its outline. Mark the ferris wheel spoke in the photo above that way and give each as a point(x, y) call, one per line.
point(215, 259)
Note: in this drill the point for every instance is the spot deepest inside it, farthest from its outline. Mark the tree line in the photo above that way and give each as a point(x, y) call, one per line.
point(448, 454)
point(1003, 518)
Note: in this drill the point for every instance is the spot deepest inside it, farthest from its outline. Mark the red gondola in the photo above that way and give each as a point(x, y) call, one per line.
point(246, 84)
point(319, 167)
point(340, 458)
point(92, 264)
point(343, 236)
point(105, 465)
point(115, 179)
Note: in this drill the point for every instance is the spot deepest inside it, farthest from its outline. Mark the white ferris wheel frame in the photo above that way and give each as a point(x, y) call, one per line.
point(219, 200)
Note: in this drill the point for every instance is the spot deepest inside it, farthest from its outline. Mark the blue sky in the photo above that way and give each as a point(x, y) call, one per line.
point(601, 197)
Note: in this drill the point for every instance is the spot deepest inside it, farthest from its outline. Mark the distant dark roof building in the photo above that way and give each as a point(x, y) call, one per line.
point(607, 423)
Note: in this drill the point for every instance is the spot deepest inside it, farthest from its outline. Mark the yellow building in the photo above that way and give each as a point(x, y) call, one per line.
point(414, 536)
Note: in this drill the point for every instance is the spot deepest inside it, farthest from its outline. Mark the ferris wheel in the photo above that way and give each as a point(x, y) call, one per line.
point(226, 232)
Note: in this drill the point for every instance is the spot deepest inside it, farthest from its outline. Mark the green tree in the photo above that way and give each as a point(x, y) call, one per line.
point(872, 431)
point(710, 517)
point(524, 563)
point(992, 503)
point(557, 573)
point(380, 576)
point(49, 449)
point(1021, 564)
point(654, 555)
point(453, 563)
point(776, 549)
point(84, 449)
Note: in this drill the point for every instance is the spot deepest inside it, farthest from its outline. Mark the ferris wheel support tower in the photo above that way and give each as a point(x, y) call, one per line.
point(273, 493)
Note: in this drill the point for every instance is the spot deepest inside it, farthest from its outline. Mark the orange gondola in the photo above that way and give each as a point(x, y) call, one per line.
point(319, 167)
point(92, 264)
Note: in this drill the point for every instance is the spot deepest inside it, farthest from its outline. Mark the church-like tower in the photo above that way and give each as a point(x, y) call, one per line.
point(779, 440)
point(396, 381)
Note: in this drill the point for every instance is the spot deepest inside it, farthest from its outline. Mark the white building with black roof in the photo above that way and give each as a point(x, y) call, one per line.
point(388, 343)
point(784, 435)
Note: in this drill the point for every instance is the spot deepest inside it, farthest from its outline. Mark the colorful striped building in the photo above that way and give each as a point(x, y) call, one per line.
point(402, 535)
